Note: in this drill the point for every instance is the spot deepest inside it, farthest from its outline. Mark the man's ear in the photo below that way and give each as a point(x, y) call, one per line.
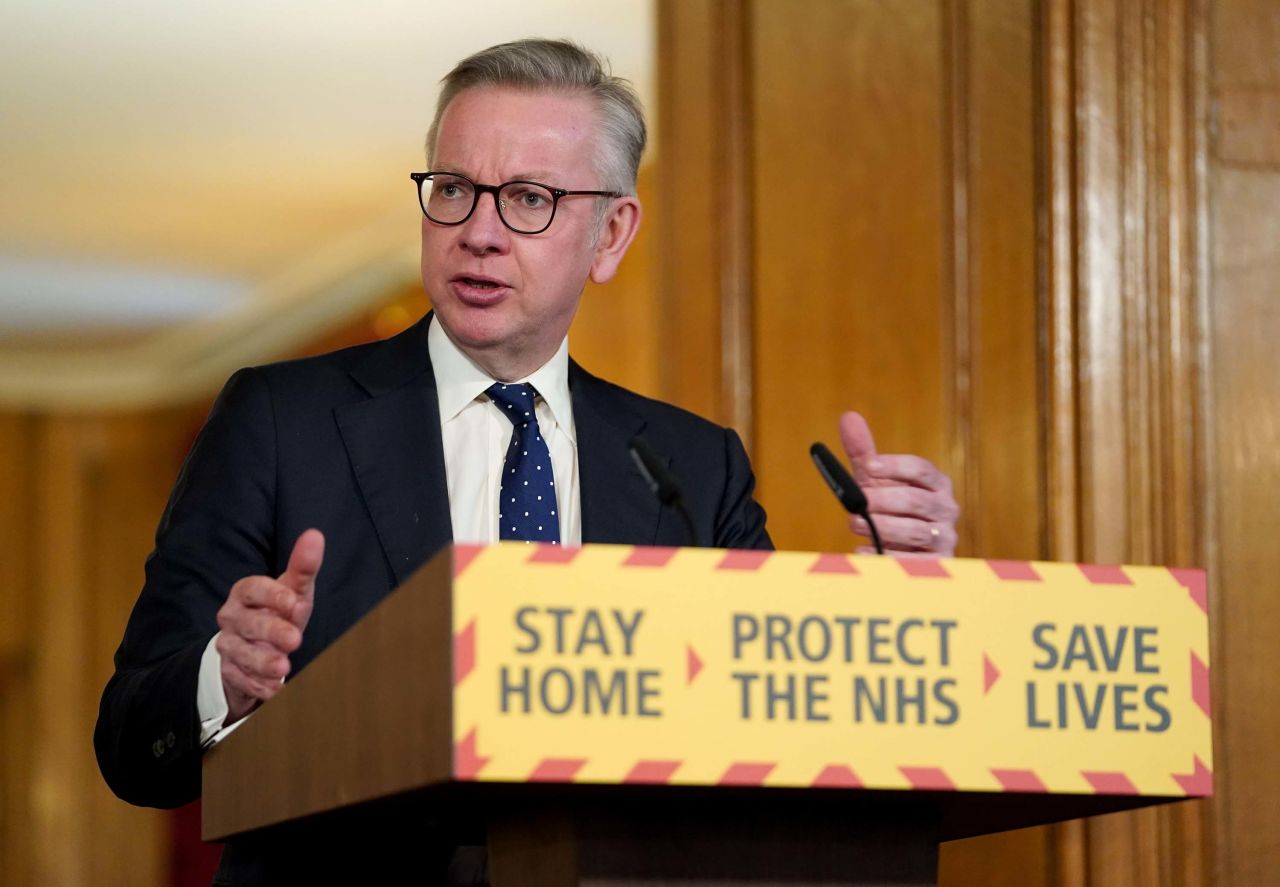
point(616, 233)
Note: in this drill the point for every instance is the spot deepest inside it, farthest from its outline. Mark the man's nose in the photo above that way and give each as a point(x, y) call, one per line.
point(484, 232)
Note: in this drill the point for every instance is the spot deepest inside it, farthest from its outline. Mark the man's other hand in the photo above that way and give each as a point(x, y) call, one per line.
point(262, 623)
point(909, 498)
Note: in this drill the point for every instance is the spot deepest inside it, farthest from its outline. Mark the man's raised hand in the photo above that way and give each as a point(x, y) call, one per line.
point(262, 623)
point(909, 498)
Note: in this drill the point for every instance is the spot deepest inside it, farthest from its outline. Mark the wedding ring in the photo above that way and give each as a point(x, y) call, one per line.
point(934, 535)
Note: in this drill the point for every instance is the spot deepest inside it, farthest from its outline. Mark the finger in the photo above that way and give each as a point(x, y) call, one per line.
point(304, 563)
point(262, 592)
point(908, 533)
point(859, 445)
point(908, 469)
point(268, 628)
point(257, 661)
point(235, 683)
point(912, 502)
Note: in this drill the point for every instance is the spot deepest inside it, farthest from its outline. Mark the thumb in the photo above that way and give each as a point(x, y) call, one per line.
point(858, 444)
point(304, 563)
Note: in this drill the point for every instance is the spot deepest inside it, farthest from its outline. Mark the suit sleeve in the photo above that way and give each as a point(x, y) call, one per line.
point(217, 528)
point(740, 519)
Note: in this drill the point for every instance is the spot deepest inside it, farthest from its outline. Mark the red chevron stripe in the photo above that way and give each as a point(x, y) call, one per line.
point(928, 778)
point(834, 563)
point(1198, 782)
point(1019, 780)
point(837, 776)
point(743, 559)
point(1105, 575)
point(546, 553)
point(1200, 684)
point(1196, 584)
point(464, 652)
point(466, 762)
point(463, 555)
point(652, 772)
point(557, 769)
point(746, 773)
point(1110, 783)
point(649, 556)
point(1014, 571)
point(923, 567)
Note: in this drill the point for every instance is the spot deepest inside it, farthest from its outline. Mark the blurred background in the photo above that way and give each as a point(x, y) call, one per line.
point(1036, 241)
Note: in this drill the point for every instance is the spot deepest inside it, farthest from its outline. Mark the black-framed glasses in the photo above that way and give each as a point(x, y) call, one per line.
point(449, 198)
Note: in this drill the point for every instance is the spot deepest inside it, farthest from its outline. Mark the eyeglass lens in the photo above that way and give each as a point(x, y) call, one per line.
point(524, 206)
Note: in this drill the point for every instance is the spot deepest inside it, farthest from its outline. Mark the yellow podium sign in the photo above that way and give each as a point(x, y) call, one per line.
point(619, 664)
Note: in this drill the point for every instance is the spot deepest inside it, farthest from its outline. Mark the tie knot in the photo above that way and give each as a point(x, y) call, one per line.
point(515, 401)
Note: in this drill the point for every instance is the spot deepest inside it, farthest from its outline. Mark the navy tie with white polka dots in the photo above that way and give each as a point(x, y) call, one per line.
point(527, 505)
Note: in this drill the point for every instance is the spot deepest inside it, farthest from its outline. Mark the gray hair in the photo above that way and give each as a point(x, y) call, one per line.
point(537, 65)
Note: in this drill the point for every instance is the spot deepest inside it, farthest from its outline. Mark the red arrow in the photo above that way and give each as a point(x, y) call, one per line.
point(990, 674)
point(693, 664)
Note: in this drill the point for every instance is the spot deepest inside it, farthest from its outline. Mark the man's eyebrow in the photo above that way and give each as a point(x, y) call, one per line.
point(541, 176)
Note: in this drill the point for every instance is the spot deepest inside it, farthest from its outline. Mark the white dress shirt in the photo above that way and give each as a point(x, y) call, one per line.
point(476, 436)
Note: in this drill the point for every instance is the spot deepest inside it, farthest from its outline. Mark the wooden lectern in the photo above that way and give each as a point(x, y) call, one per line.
point(378, 736)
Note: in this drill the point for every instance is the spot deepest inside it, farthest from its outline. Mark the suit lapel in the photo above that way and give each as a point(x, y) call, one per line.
point(396, 451)
point(617, 506)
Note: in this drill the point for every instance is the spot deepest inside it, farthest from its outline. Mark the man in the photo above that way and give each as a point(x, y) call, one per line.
point(317, 486)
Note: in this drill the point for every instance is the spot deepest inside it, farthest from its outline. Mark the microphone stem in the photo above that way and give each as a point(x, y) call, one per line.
point(875, 534)
point(678, 505)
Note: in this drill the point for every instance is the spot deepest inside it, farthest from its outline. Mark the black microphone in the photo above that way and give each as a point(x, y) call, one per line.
point(662, 482)
point(845, 488)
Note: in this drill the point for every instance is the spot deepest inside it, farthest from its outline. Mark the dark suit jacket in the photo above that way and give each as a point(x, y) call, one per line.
point(350, 443)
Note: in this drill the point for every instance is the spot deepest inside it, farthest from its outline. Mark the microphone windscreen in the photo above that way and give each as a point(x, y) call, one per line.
point(656, 475)
point(839, 480)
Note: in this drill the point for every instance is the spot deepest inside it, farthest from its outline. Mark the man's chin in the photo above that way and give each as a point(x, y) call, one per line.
point(470, 329)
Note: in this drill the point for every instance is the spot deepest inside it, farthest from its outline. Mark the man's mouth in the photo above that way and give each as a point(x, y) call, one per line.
point(480, 292)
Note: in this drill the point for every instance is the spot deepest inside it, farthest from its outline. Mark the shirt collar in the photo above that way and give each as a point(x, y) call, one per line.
point(459, 381)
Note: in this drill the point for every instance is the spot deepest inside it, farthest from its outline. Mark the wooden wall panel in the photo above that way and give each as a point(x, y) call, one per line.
point(996, 409)
point(16, 448)
point(61, 758)
point(1246, 317)
point(996, 278)
point(1246, 69)
point(1124, 127)
point(127, 484)
point(850, 258)
point(697, 43)
point(1244, 181)
point(87, 491)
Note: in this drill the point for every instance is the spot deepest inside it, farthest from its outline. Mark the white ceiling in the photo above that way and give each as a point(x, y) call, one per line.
point(164, 161)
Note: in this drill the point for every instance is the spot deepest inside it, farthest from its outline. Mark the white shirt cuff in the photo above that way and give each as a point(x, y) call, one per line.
point(211, 699)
